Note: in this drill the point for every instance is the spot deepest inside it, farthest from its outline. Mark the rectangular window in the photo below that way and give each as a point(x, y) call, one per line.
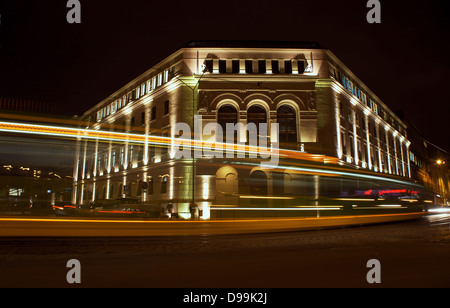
point(143, 118)
point(262, 66)
point(16, 192)
point(160, 77)
point(166, 107)
point(249, 66)
point(209, 66)
point(153, 113)
point(166, 76)
point(301, 66)
point(150, 187)
point(122, 155)
point(131, 154)
point(138, 92)
point(288, 67)
point(222, 66)
point(154, 83)
point(164, 185)
point(275, 67)
point(235, 67)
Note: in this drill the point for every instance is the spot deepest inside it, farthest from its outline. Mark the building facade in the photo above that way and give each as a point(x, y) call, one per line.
point(320, 107)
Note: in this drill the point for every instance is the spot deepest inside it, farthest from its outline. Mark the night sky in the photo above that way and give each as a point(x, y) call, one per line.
point(403, 60)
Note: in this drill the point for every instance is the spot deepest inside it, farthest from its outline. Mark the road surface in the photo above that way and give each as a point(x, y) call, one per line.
point(411, 254)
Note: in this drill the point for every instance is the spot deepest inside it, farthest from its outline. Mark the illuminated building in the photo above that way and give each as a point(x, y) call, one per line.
point(321, 107)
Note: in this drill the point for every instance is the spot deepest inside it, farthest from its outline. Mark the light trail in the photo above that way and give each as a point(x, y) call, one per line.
point(90, 134)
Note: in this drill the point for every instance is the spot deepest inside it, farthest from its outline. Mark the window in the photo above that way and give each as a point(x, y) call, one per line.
point(143, 118)
point(262, 66)
point(288, 67)
point(258, 183)
point(150, 186)
point(160, 77)
point(138, 92)
point(166, 76)
point(16, 192)
point(227, 114)
point(222, 66)
point(164, 185)
point(249, 66)
point(153, 113)
point(149, 86)
point(209, 66)
point(131, 154)
point(122, 155)
point(301, 66)
point(257, 114)
point(235, 67)
point(287, 121)
point(275, 67)
point(166, 107)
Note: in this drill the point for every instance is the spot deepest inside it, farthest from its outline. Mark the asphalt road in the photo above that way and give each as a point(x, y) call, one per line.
point(411, 254)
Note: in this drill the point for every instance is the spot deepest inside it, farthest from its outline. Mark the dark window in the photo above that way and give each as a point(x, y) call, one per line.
point(301, 66)
point(143, 118)
point(209, 65)
point(257, 114)
point(288, 67)
point(132, 123)
point(258, 183)
point(227, 114)
point(166, 107)
point(153, 115)
point(150, 187)
point(222, 66)
point(287, 122)
point(275, 67)
point(235, 69)
point(262, 66)
point(249, 66)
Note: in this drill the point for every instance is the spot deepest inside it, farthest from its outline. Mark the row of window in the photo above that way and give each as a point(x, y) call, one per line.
point(238, 66)
point(145, 88)
point(352, 88)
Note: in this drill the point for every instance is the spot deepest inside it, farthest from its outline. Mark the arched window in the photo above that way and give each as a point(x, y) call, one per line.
point(227, 114)
point(257, 114)
point(287, 121)
point(258, 183)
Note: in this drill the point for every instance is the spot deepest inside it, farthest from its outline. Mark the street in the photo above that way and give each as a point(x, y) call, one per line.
point(411, 254)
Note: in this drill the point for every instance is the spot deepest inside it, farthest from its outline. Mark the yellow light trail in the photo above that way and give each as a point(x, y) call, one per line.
point(78, 133)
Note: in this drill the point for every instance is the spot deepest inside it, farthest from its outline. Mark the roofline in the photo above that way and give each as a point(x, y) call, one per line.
point(253, 44)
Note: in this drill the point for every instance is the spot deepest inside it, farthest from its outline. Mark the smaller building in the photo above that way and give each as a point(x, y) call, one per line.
point(429, 165)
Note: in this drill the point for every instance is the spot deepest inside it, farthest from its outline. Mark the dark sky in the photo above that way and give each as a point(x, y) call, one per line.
point(404, 60)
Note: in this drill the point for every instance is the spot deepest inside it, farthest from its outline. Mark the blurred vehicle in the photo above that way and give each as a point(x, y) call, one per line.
point(66, 209)
point(131, 207)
